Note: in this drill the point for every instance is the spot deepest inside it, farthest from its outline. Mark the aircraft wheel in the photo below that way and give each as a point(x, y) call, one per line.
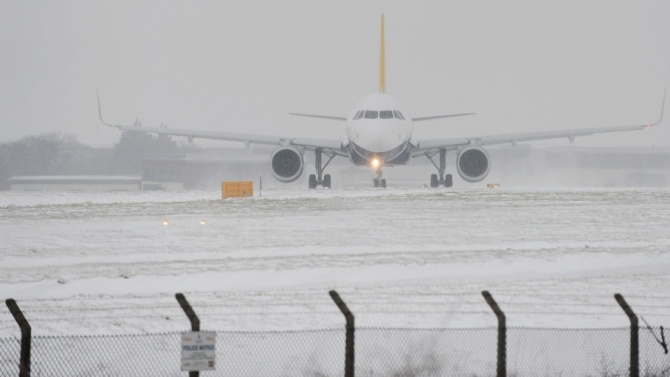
point(326, 181)
point(312, 181)
point(449, 181)
point(382, 183)
point(375, 182)
point(433, 180)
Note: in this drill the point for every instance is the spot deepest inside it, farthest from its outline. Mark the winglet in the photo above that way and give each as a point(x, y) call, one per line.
point(382, 64)
point(100, 111)
point(660, 118)
point(662, 107)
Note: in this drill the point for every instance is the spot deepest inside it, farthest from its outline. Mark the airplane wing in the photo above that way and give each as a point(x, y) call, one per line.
point(241, 137)
point(521, 137)
point(319, 116)
point(450, 144)
point(420, 119)
point(310, 144)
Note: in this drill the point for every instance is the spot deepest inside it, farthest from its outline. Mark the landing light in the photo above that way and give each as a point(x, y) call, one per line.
point(375, 162)
point(164, 222)
point(202, 222)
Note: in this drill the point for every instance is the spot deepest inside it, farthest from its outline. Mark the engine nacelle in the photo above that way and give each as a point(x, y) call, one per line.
point(287, 164)
point(473, 164)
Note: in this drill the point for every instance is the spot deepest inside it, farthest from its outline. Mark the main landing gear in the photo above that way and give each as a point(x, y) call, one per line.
point(440, 179)
point(319, 179)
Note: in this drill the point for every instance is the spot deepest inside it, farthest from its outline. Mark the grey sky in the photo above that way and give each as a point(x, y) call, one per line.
point(243, 65)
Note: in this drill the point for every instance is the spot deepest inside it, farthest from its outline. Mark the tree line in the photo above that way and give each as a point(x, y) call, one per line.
point(60, 154)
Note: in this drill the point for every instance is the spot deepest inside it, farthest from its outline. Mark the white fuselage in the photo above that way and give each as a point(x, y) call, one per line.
point(379, 128)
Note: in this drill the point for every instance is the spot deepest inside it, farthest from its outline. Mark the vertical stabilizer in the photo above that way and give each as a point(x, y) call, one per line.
point(382, 64)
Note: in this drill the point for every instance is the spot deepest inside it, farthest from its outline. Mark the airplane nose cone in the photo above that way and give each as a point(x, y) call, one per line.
point(381, 136)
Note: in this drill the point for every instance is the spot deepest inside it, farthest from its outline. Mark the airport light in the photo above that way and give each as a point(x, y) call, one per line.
point(202, 222)
point(164, 222)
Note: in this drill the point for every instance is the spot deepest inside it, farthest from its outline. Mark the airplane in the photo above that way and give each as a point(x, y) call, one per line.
point(379, 134)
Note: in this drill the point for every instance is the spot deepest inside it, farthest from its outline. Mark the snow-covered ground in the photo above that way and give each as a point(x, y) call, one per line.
point(106, 263)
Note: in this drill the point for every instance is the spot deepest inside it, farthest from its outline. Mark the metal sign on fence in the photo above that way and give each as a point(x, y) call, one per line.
point(198, 350)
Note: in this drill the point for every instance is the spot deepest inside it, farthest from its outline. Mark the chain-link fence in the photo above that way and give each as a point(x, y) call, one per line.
point(9, 356)
point(379, 352)
point(367, 351)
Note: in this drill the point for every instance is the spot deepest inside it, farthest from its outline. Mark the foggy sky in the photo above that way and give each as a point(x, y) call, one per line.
point(243, 65)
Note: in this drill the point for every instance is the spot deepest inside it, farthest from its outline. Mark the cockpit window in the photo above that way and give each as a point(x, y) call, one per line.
point(398, 115)
point(386, 114)
point(371, 114)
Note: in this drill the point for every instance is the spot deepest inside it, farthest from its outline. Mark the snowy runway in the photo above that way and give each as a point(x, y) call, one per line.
point(105, 263)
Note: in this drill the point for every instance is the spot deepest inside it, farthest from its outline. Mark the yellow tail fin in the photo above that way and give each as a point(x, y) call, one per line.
point(382, 64)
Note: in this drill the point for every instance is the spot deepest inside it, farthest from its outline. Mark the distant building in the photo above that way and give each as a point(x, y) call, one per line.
point(203, 170)
point(582, 166)
point(75, 183)
point(522, 165)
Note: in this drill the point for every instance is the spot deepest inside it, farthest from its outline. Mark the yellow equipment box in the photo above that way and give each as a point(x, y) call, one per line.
point(237, 189)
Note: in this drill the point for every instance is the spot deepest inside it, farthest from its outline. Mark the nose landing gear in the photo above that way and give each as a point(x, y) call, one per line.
point(378, 181)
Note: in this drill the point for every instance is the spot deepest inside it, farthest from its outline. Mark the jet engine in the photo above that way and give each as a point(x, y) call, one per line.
point(287, 164)
point(473, 164)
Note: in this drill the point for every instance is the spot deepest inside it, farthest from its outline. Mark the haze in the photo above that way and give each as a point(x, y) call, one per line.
point(243, 65)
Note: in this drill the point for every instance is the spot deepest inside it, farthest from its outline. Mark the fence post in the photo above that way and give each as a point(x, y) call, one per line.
point(24, 364)
point(634, 336)
point(501, 370)
point(195, 321)
point(349, 342)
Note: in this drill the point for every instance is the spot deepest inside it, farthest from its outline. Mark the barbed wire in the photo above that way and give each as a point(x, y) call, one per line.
point(231, 315)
